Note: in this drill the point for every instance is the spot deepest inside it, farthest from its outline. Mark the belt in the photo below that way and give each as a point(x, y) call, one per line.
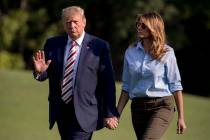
point(148, 103)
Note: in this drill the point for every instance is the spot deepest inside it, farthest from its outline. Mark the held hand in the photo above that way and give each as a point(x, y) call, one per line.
point(181, 126)
point(40, 65)
point(111, 123)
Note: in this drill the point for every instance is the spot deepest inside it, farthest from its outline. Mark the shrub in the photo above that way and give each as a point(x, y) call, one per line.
point(11, 61)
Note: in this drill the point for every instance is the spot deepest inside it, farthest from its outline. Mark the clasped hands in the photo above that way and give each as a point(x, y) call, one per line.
point(111, 123)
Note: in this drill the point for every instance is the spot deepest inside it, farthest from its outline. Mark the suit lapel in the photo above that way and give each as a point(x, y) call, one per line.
point(60, 55)
point(84, 51)
point(85, 47)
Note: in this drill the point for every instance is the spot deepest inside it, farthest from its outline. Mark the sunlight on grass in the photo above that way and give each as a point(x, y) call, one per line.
point(24, 113)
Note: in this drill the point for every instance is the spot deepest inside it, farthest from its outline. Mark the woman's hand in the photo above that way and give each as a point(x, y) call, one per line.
point(181, 126)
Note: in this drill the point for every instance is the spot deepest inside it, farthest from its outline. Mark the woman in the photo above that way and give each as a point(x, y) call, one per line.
point(151, 79)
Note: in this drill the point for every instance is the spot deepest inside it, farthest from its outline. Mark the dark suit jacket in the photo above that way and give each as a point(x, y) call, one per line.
point(94, 92)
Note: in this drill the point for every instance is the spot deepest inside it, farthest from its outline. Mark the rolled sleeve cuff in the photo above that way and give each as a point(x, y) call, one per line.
point(125, 87)
point(175, 87)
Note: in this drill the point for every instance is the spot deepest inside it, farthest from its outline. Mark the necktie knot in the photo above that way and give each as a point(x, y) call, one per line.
point(73, 43)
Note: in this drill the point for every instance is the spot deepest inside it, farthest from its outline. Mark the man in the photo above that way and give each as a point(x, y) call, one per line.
point(81, 82)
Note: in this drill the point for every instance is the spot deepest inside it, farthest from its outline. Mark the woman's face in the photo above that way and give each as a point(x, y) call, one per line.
point(142, 30)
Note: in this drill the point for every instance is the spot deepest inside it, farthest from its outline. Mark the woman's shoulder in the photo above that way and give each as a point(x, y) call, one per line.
point(132, 46)
point(169, 48)
point(169, 53)
point(131, 49)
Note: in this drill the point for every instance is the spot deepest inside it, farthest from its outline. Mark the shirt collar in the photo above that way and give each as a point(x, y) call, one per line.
point(79, 40)
point(139, 45)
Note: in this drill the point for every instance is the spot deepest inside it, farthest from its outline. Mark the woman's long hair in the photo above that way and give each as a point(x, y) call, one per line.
point(155, 24)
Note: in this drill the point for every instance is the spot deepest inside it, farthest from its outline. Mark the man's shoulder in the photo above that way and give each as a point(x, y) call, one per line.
point(55, 41)
point(96, 39)
point(57, 37)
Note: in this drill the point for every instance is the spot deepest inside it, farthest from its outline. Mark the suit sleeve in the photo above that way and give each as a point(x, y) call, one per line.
point(108, 83)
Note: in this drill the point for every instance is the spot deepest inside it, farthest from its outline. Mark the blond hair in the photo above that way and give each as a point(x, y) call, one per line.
point(73, 10)
point(155, 24)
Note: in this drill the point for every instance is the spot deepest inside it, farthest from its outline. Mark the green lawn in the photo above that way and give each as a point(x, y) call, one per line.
point(24, 113)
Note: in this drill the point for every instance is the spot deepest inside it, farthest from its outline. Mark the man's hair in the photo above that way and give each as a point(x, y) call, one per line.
point(73, 10)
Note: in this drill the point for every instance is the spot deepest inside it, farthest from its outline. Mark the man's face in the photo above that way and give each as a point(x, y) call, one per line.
point(74, 25)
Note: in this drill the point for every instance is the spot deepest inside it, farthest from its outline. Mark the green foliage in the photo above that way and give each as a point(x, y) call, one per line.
point(11, 61)
point(40, 29)
point(13, 26)
point(28, 25)
point(25, 25)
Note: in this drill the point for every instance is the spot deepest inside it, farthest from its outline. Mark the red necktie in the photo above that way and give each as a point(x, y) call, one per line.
point(67, 85)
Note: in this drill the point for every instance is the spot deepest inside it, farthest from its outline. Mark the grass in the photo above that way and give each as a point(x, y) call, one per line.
point(24, 113)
